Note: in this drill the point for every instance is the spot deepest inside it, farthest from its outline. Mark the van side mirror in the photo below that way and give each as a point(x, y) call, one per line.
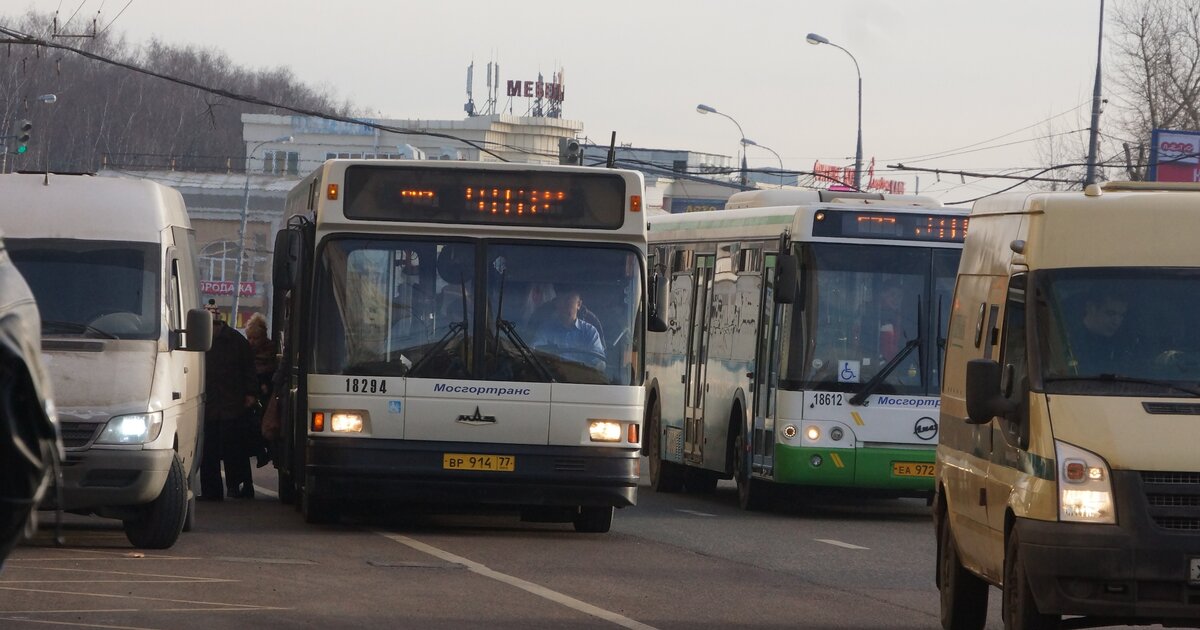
point(984, 398)
point(285, 267)
point(787, 275)
point(197, 331)
point(656, 322)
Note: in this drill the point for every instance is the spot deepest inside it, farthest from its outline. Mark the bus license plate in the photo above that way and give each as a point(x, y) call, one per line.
point(912, 469)
point(466, 461)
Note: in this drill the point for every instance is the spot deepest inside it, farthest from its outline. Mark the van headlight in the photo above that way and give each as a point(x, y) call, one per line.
point(1084, 486)
point(134, 428)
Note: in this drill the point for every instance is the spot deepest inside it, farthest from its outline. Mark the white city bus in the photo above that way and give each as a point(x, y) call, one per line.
point(804, 342)
point(404, 385)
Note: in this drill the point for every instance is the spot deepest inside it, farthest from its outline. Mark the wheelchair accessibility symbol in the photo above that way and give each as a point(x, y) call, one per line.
point(848, 371)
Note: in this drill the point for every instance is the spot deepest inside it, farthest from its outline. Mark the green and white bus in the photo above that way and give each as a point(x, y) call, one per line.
point(804, 342)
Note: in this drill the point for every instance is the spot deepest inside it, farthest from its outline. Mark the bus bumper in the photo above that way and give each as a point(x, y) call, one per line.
point(1132, 572)
point(397, 470)
point(890, 469)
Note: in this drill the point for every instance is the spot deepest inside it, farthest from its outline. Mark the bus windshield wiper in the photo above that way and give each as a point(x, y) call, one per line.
point(510, 331)
point(873, 384)
point(1121, 378)
point(455, 329)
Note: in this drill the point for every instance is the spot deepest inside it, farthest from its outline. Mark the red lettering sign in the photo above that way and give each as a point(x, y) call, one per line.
point(222, 287)
point(537, 89)
point(528, 89)
point(514, 88)
point(1177, 147)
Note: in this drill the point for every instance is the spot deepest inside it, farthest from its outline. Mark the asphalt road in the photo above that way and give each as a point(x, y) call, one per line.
point(674, 561)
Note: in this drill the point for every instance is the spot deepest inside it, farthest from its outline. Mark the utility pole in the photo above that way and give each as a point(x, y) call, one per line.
point(1094, 136)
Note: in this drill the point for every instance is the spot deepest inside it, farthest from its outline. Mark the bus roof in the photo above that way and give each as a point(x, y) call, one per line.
point(88, 207)
point(793, 197)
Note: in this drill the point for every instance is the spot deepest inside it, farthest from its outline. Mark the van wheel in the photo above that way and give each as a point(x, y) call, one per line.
point(189, 517)
point(158, 523)
point(964, 596)
point(664, 476)
point(594, 520)
point(1018, 607)
point(318, 510)
point(753, 494)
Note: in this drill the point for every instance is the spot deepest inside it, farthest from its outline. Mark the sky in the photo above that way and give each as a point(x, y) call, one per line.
point(974, 79)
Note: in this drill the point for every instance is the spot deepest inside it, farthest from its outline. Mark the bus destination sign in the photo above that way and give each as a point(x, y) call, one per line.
point(893, 226)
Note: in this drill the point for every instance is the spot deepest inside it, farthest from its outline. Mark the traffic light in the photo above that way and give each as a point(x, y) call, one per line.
point(23, 129)
point(569, 151)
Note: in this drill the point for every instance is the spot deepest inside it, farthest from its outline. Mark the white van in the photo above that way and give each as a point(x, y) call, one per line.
point(1067, 469)
point(111, 263)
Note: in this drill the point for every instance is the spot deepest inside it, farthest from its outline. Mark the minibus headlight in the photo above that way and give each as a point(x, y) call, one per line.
point(134, 428)
point(604, 430)
point(346, 422)
point(1084, 486)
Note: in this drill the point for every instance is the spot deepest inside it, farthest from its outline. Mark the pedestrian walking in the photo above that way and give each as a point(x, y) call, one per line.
point(265, 363)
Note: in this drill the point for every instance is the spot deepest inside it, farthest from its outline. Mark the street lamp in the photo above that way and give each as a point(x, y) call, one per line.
point(47, 99)
point(748, 142)
point(815, 40)
point(237, 287)
point(705, 109)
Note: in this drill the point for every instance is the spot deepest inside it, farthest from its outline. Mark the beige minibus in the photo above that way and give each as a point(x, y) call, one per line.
point(1068, 470)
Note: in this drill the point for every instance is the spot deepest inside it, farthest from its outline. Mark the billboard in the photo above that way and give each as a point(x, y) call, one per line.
point(1174, 156)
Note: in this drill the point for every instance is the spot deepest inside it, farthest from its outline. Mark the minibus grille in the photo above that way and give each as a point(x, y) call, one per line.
point(77, 434)
point(1172, 409)
point(1173, 499)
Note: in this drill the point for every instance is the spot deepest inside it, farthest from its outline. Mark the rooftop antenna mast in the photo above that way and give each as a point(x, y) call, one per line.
point(470, 106)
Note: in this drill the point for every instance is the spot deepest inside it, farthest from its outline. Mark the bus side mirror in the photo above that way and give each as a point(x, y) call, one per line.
point(787, 275)
point(197, 331)
point(658, 301)
point(984, 398)
point(285, 268)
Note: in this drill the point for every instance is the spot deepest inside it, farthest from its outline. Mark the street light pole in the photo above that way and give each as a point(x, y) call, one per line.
point(749, 142)
point(815, 39)
point(705, 109)
point(237, 286)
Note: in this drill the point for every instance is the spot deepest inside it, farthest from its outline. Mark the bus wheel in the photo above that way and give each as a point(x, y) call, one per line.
point(593, 519)
point(158, 523)
point(1018, 607)
point(664, 476)
point(964, 596)
point(317, 510)
point(753, 494)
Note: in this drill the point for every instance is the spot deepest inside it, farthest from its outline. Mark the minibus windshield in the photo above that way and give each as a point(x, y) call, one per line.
point(1119, 331)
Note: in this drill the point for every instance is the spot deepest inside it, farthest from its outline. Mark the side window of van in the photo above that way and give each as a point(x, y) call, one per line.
point(1014, 381)
point(175, 300)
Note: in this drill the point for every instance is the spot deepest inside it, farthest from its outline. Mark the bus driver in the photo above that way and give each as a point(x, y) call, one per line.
point(570, 337)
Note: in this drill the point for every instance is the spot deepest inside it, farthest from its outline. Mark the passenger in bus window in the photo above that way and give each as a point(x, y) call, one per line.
point(568, 335)
point(1097, 345)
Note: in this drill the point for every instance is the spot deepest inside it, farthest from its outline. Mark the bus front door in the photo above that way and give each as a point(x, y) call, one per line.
point(695, 377)
point(766, 372)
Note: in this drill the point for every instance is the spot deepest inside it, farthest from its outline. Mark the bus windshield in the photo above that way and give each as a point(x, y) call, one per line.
point(553, 313)
point(872, 315)
point(103, 289)
point(1119, 331)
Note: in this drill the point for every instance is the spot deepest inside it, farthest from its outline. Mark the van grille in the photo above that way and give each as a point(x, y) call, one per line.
point(1173, 499)
point(77, 434)
point(1174, 409)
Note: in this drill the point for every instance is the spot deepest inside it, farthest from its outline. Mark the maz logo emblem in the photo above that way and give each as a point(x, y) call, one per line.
point(926, 428)
point(478, 418)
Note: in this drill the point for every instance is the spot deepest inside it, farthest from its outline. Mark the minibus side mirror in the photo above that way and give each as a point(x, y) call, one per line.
point(197, 332)
point(658, 300)
point(984, 398)
point(787, 273)
point(285, 267)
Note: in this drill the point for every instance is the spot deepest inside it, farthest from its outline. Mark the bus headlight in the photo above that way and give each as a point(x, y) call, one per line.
point(813, 433)
point(134, 428)
point(346, 422)
point(1084, 486)
point(604, 430)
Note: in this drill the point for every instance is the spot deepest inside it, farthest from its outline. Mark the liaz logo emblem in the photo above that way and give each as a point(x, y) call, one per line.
point(478, 418)
point(925, 429)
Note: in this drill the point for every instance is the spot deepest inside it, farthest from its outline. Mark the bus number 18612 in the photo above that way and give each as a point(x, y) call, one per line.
point(826, 399)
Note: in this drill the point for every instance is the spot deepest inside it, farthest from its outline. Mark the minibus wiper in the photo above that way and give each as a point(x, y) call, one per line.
point(76, 327)
point(871, 385)
point(1121, 378)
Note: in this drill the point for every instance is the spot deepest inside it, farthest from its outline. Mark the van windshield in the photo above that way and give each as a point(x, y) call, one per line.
point(101, 289)
point(1119, 331)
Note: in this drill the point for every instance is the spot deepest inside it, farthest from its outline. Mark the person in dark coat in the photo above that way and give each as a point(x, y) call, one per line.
point(230, 388)
point(265, 364)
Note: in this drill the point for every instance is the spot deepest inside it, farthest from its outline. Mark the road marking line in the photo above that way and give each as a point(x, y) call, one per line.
point(76, 624)
point(171, 578)
point(838, 543)
point(530, 587)
point(206, 606)
point(694, 512)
